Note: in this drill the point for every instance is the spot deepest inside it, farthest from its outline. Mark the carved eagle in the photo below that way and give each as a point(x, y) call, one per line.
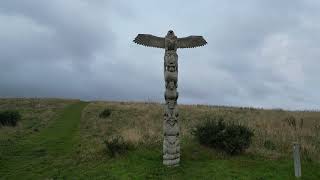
point(170, 41)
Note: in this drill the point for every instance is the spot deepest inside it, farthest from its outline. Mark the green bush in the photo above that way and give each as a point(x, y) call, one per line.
point(116, 145)
point(9, 118)
point(105, 113)
point(229, 137)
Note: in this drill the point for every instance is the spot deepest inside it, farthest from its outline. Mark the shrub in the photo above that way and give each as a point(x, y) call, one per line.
point(105, 113)
point(9, 118)
point(231, 138)
point(116, 145)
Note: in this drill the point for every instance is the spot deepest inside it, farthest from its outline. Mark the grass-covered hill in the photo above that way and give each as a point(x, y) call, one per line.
point(64, 139)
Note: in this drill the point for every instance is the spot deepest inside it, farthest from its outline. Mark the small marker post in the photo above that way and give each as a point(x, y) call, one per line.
point(296, 159)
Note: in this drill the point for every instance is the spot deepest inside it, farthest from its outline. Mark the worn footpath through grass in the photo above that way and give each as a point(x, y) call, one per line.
point(45, 154)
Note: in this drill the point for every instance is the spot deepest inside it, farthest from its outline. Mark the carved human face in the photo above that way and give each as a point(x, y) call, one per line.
point(172, 120)
point(171, 68)
point(171, 85)
point(171, 104)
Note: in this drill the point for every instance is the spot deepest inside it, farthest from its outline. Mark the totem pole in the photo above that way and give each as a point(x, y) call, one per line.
point(171, 130)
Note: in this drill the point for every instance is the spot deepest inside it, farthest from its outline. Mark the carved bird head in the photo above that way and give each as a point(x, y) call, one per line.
point(170, 34)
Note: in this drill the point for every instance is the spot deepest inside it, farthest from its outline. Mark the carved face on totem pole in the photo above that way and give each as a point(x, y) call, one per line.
point(171, 103)
point(171, 68)
point(171, 116)
point(171, 85)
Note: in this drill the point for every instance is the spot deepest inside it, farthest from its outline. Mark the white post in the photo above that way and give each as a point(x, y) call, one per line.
point(296, 159)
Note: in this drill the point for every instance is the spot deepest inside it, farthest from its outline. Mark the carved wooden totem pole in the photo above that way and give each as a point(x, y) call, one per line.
point(171, 130)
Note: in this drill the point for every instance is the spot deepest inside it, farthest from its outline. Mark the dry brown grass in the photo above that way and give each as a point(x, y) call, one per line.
point(142, 123)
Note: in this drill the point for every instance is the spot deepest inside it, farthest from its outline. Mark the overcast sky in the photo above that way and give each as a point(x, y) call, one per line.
point(259, 53)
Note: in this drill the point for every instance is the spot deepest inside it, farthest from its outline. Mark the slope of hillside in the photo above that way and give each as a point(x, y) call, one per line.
point(141, 122)
point(64, 139)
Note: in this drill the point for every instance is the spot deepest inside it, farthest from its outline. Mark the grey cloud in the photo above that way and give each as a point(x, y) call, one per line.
point(53, 30)
point(259, 53)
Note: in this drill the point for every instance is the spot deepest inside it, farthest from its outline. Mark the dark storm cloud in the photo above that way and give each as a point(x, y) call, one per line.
point(259, 53)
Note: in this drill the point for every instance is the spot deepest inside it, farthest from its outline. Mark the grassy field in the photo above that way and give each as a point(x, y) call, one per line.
point(63, 139)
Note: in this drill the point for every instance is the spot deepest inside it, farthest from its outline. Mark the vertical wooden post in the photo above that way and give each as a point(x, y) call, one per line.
point(296, 159)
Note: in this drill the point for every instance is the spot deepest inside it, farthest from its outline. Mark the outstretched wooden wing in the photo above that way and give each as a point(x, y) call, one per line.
point(150, 40)
point(191, 42)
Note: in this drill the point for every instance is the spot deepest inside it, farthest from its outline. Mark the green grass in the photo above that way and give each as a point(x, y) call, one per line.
point(197, 163)
point(71, 147)
point(44, 154)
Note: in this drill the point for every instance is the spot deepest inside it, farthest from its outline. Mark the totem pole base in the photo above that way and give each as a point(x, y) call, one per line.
point(171, 163)
point(171, 151)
